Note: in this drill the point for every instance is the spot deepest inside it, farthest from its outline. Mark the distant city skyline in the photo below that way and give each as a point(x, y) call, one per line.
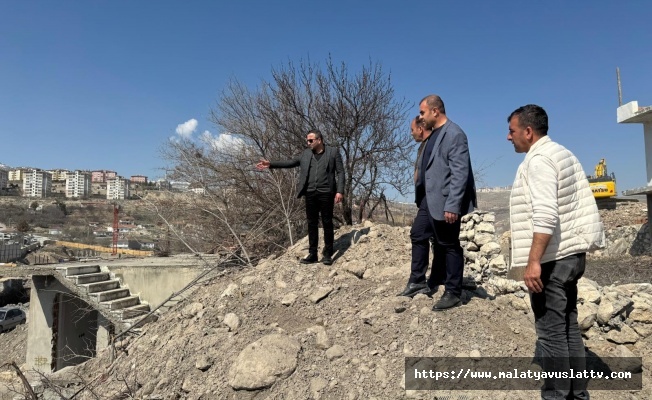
point(106, 86)
point(9, 168)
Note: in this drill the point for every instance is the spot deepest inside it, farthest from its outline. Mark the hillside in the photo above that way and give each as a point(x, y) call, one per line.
point(283, 330)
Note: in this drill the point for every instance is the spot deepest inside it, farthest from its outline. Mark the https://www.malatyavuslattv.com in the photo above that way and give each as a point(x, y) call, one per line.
point(514, 373)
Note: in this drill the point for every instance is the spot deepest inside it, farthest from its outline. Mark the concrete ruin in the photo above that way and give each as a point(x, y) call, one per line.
point(631, 113)
point(76, 310)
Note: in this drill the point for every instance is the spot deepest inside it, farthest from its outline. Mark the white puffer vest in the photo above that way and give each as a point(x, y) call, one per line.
point(579, 228)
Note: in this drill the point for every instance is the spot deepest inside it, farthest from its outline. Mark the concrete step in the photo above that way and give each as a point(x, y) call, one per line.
point(112, 294)
point(100, 286)
point(119, 304)
point(133, 312)
point(89, 278)
point(78, 270)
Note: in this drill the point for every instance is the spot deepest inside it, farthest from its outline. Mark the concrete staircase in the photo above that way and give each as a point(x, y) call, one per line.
point(105, 293)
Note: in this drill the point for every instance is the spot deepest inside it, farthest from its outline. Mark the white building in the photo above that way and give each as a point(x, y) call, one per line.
point(117, 188)
point(4, 178)
point(36, 183)
point(59, 174)
point(16, 174)
point(78, 184)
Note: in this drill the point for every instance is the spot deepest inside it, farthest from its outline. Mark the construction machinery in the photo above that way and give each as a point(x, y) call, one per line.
point(603, 185)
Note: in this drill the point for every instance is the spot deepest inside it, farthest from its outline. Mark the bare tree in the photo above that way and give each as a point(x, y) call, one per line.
point(357, 112)
point(231, 208)
point(237, 207)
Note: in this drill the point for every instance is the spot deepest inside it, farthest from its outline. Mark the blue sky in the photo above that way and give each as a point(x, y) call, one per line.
point(104, 84)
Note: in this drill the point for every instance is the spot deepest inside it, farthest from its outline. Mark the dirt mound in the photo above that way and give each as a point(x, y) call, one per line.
point(291, 331)
point(284, 330)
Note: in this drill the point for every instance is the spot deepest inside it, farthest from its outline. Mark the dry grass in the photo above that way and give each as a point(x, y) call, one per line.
point(619, 270)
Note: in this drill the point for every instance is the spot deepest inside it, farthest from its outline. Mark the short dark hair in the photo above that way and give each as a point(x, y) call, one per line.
point(317, 134)
point(418, 121)
point(434, 101)
point(533, 116)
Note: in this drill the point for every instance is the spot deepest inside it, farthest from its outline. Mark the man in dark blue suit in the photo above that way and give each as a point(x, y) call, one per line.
point(321, 181)
point(445, 190)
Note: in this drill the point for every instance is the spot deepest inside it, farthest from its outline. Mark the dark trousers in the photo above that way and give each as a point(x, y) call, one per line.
point(448, 259)
point(320, 203)
point(559, 340)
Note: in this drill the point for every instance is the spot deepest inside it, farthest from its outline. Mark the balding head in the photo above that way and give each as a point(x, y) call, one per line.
point(434, 101)
point(419, 130)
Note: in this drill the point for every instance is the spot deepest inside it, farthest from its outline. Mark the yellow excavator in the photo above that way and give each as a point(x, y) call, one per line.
point(602, 184)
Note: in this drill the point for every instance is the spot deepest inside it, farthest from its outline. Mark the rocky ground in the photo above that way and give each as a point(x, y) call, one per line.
point(283, 330)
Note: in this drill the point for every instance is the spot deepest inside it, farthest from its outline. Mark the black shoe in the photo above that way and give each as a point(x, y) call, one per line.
point(327, 259)
point(431, 290)
point(309, 259)
point(448, 300)
point(413, 289)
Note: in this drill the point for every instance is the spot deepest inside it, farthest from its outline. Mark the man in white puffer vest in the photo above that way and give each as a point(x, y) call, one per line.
point(554, 222)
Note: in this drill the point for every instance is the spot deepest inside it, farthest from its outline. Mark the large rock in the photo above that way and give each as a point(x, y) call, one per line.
point(613, 303)
point(232, 321)
point(623, 335)
point(320, 293)
point(503, 286)
point(490, 249)
point(264, 361)
point(588, 291)
point(483, 238)
point(586, 315)
point(355, 267)
point(470, 255)
point(485, 227)
point(641, 314)
point(644, 330)
point(498, 264)
point(322, 340)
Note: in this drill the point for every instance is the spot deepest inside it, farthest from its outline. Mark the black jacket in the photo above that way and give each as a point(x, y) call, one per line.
point(335, 167)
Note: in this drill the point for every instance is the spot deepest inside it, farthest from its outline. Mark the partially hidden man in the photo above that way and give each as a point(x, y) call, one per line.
point(321, 182)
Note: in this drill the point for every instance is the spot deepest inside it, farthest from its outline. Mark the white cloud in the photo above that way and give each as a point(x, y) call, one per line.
point(186, 129)
point(223, 142)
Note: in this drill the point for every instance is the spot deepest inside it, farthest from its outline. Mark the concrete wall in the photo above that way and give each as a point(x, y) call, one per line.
point(77, 333)
point(62, 329)
point(154, 284)
point(41, 320)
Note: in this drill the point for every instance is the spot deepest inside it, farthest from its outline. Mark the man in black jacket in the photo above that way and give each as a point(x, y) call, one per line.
point(321, 181)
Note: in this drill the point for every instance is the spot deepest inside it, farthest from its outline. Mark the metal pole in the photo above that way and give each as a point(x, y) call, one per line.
point(620, 89)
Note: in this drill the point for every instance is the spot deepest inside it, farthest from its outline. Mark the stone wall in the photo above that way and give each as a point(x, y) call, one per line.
point(610, 317)
point(483, 254)
point(633, 240)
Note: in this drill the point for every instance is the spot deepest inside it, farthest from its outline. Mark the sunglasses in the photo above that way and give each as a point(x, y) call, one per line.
point(310, 140)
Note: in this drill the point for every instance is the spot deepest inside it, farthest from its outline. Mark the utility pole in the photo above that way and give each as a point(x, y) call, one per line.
point(115, 229)
point(620, 89)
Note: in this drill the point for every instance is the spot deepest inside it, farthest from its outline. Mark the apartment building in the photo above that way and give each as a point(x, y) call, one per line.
point(36, 183)
point(59, 174)
point(117, 188)
point(58, 189)
point(4, 178)
point(138, 179)
point(16, 174)
point(98, 189)
point(103, 175)
point(78, 184)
